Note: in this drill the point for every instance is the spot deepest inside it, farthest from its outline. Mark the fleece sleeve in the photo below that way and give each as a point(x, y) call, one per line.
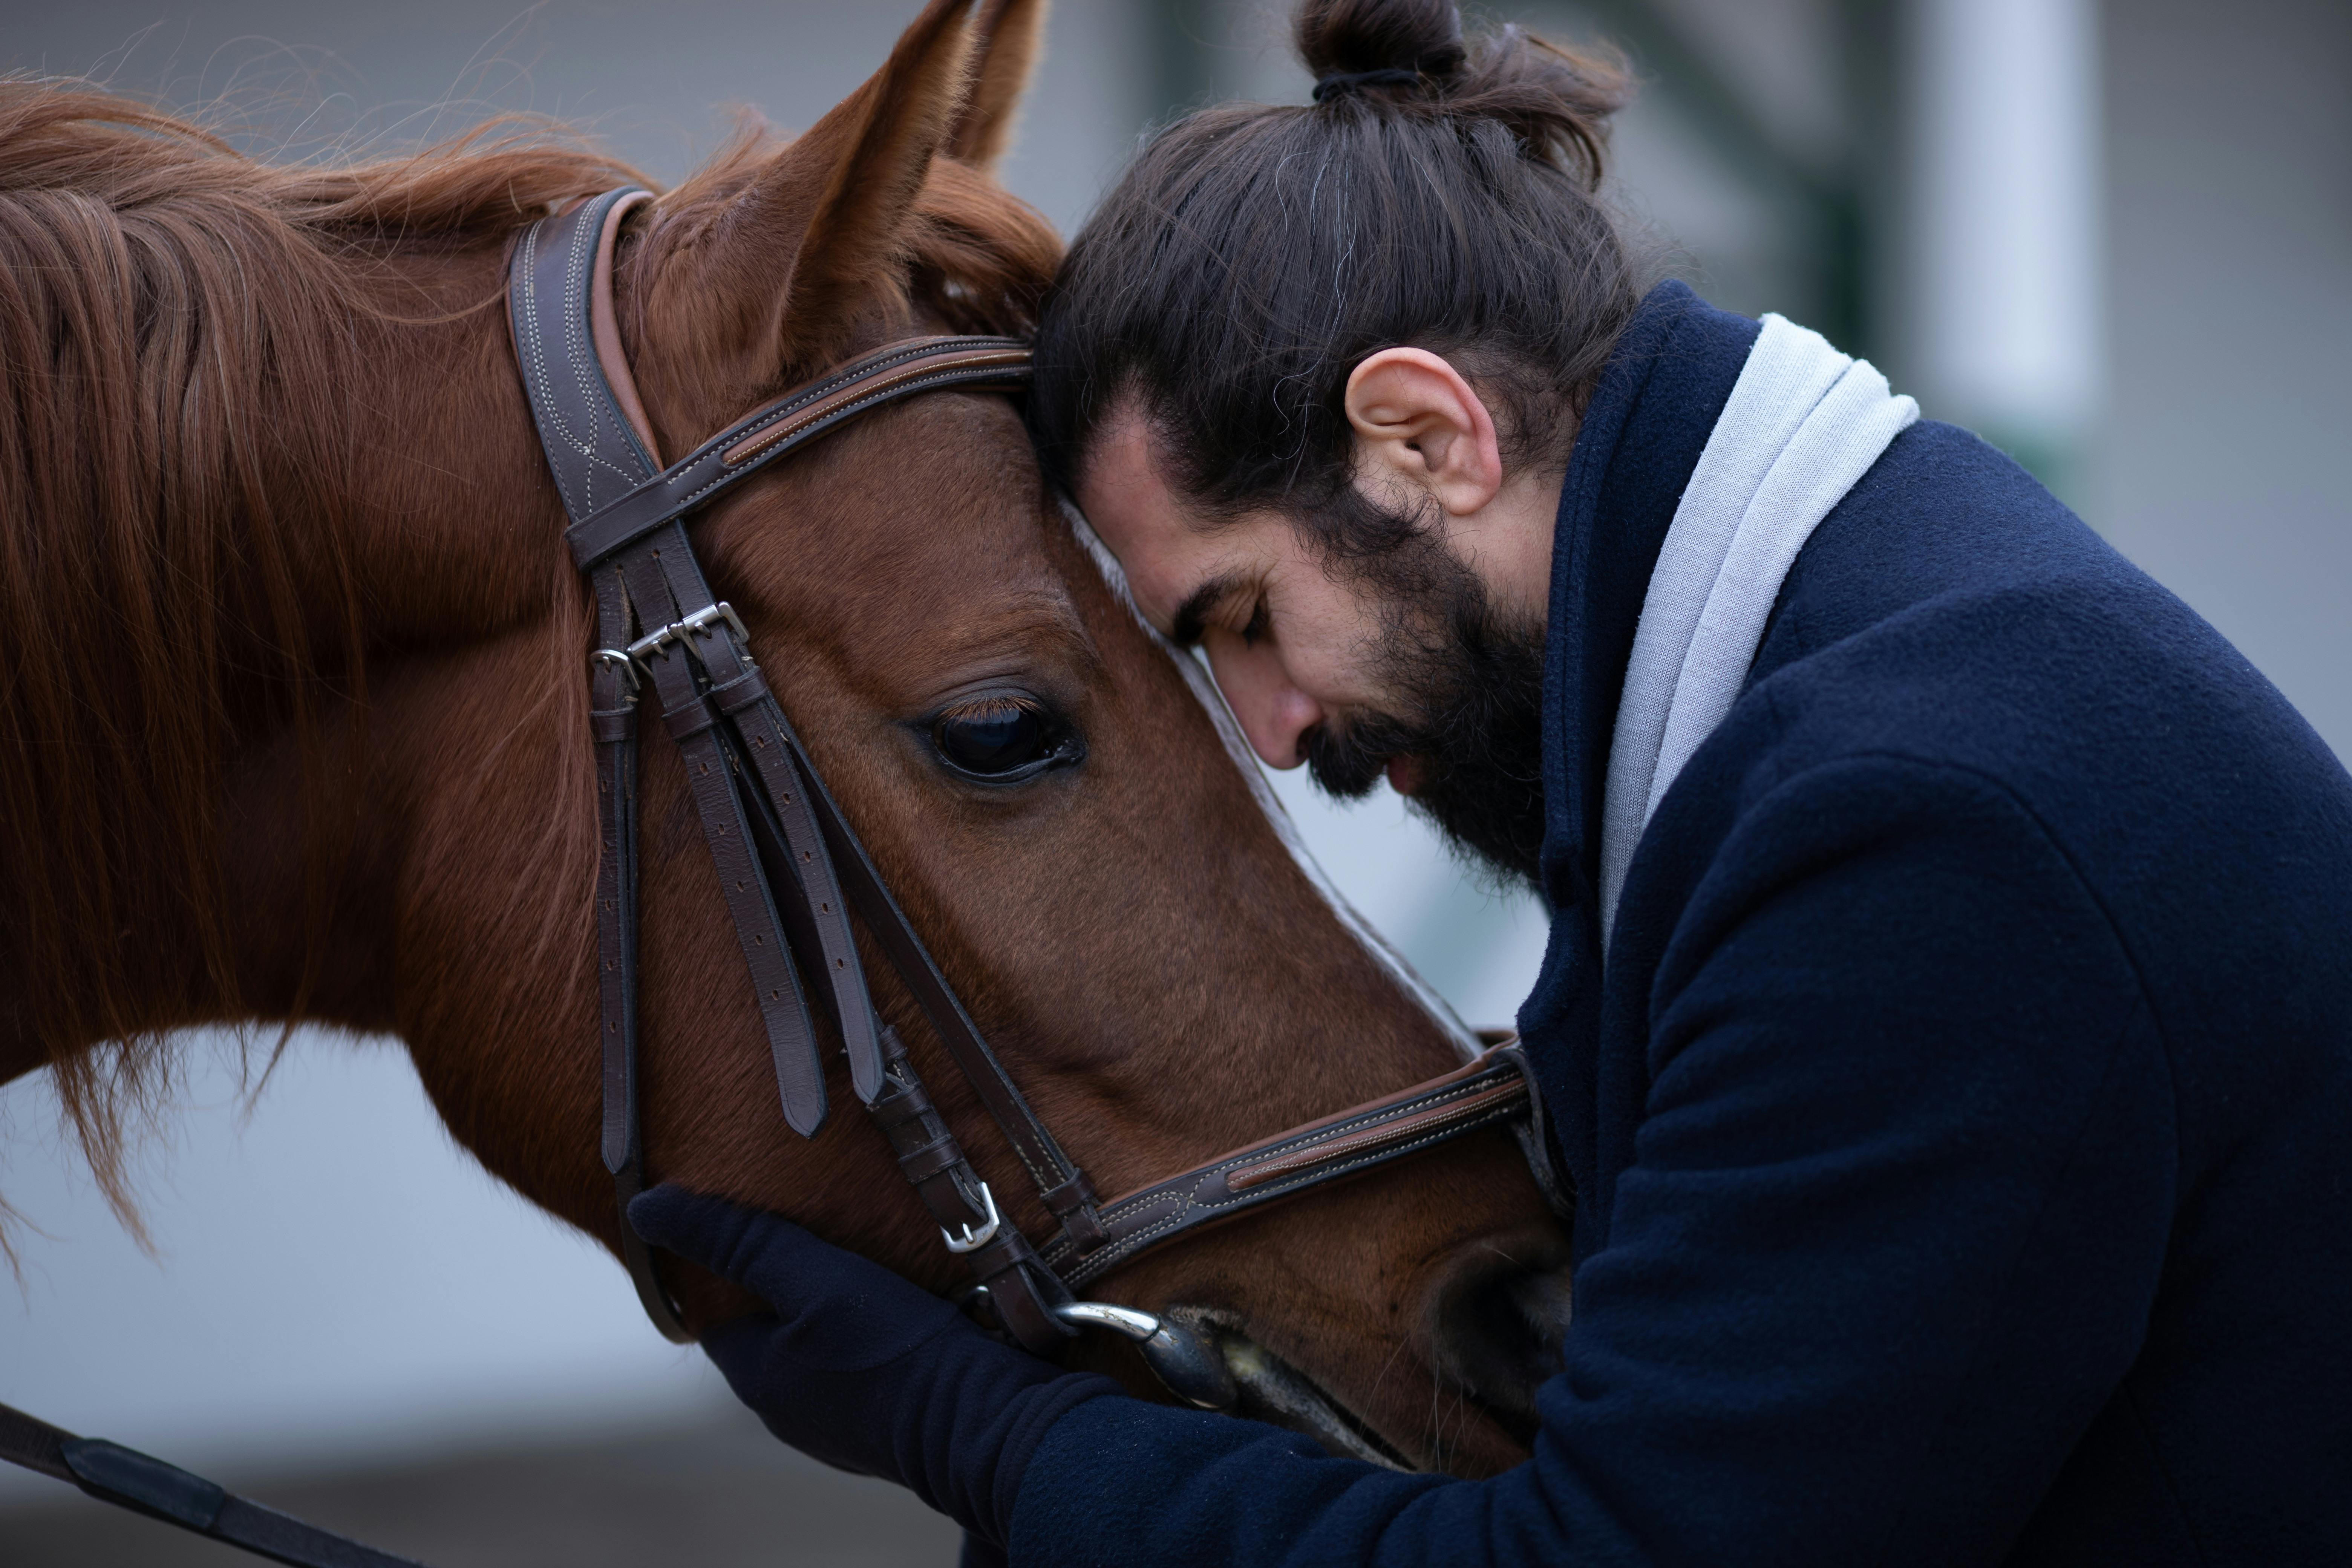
point(1885, 1244)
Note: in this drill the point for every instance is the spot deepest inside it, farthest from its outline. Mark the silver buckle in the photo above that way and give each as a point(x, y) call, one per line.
point(623, 662)
point(698, 624)
point(973, 1240)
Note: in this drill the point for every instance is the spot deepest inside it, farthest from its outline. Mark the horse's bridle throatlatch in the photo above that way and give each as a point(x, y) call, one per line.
point(790, 868)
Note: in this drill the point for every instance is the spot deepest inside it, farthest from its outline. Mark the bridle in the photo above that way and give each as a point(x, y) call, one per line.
point(790, 868)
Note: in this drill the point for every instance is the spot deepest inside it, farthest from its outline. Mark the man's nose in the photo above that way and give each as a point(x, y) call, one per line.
point(1273, 712)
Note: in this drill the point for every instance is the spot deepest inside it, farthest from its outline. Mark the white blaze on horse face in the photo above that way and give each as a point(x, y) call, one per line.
point(1237, 747)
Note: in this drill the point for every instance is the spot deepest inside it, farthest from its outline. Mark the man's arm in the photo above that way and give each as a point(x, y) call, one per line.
point(1894, 1219)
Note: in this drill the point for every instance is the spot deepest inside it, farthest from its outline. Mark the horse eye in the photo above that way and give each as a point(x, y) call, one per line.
point(1000, 740)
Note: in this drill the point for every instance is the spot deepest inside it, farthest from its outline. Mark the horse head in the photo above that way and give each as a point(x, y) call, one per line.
point(1128, 927)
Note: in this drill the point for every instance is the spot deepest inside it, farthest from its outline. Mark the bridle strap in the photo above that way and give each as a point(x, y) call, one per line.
point(774, 834)
point(750, 444)
point(129, 1478)
point(594, 450)
point(790, 866)
point(1494, 1088)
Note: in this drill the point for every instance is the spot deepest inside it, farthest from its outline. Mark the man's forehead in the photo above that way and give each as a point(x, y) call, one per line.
point(1160, 539)
point(1125, 455)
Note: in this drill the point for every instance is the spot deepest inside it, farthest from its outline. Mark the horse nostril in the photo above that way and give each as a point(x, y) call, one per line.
point(1499, 1332)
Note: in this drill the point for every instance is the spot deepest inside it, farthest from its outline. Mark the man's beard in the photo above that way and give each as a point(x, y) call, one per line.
point(1465, 691)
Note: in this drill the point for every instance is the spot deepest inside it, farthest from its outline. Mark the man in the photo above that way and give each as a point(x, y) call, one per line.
point(1947, 1018)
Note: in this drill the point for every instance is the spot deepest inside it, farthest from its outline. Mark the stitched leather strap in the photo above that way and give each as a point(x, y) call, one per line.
point(750, 444)
point(771, 832)
point(1493, 1088)
point(590, 449)
point(594, 452)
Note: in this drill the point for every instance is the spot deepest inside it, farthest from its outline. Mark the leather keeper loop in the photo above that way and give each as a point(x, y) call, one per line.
point(607, 725)
point(1083, 1227)
point(1003, 1256)
point(933, 1158)
point(738, 694)
point(893, 1111)
point(1076, 1192)
point(1024, 1306)
point(1073, 1202)
point(688, 720)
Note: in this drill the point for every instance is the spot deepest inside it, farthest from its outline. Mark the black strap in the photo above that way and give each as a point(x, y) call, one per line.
point(129, 1478)
point(706, 677)
point(752, 443)
point(1040, 1154)
point(595, 456)
point(775, 836)
point(613, 718)
point(1492, 1089)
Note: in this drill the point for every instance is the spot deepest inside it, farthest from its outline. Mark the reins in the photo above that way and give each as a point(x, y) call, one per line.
point(129, 1478)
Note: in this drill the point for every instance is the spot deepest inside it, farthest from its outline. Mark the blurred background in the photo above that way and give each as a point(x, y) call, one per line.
point(2116, 238)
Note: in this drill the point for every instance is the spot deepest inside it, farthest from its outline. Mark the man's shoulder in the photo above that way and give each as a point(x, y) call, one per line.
point(2152, 753)
point(1937, 666)
point(1944, 524)
point(1950, 609)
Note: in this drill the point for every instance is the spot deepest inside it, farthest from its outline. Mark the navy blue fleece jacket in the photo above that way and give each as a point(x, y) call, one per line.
point(1961, 1121)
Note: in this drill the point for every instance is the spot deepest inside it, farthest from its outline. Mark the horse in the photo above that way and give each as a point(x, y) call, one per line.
point(295, 727)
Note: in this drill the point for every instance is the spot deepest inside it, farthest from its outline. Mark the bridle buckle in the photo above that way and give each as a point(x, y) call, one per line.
point(973, 1240)
point(620, 662)
point(698, 623)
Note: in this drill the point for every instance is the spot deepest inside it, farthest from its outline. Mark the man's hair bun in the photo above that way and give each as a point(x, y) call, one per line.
point(1355, 38)
point(1558, 102)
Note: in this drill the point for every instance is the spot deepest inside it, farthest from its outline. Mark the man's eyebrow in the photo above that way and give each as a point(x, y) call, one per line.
point(1184, 631)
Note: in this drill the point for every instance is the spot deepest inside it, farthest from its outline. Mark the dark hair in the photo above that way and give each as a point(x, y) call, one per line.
point(1445, 197)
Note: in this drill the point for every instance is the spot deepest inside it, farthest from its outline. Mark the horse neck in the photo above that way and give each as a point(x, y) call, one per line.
point(450, 545)
point(396, 511)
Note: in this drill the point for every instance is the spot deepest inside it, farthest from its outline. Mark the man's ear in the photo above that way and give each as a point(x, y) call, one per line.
point(1418, 423)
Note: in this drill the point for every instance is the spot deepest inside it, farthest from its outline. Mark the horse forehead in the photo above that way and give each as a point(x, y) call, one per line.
point(935, 529)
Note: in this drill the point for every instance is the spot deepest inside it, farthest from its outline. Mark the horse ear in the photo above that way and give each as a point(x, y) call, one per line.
point(1007, 36)
point(834, 200)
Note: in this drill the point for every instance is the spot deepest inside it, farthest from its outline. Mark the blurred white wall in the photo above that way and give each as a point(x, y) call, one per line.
point(332, 1280)
point(2003, 207)
point(2221, 466)
point(654, 81)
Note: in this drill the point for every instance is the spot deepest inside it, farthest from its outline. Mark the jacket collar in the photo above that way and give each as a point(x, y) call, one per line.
point(1665, 385)
point(1649, 419)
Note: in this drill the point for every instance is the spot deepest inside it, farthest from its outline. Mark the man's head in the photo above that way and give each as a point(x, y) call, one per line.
point(1313, 373)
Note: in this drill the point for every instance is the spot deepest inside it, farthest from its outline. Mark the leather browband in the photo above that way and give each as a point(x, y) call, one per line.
point(901, 369)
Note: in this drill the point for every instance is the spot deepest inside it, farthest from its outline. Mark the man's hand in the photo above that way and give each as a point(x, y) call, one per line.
point(863, 1370)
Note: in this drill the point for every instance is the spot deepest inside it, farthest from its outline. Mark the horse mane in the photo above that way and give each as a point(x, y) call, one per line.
point(175, 316)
